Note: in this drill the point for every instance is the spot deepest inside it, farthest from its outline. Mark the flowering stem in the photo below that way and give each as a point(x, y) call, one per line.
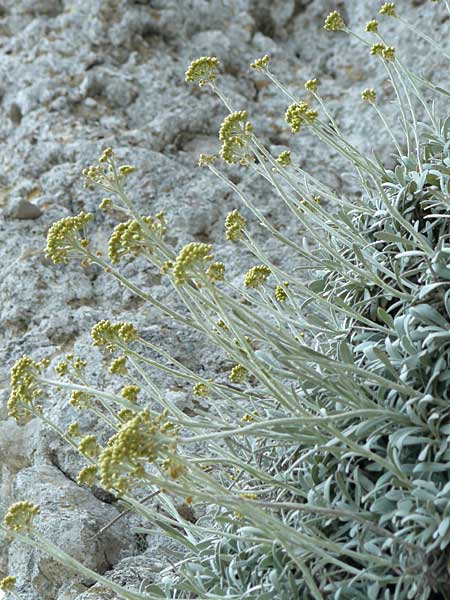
point(41, 543)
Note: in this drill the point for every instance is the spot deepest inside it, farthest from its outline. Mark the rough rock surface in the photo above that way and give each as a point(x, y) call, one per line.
point(77, 76)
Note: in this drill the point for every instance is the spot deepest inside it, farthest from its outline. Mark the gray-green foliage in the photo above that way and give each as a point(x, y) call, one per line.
point(326, 473)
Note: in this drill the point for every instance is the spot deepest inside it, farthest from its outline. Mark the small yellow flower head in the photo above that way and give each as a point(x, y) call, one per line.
point(79, 400)
point(280, 292)
point(107, 155)
point(192, 258)
point(141, 440)
point(256, 276)
point(7, 584)
point(79, 364)
point(61, 368)
point(133, 238)
point(206, 159)
point(20, 516)
point(247, 418)
point(312, 84)
point(126, 414)
point(261, 63)
point(238, 374)
point(372, 26)
point(299, 114)
point(216, 272)
point(369, 95)
point(106, 203)
point(249, 496)
point(165, 268)
point(377, 49)
point(234, 224)
point(130, 392)
point(24, 388)
point(234, 124)
point(388, 9)
point(126, 170)
point(118, 366)
point(317, 199)
point(284, 158)
point(222, 325)
point(89, 446)
point(113, 335)
point(87, 475)
point(106, 175)
point(234, 133)
point(202, 70)
point(389, 53)
point(200, 389)
point(74, 429)
point(67, 238)
point(334, 22)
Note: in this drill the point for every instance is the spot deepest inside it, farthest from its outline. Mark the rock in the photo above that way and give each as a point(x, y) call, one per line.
point(22, 209)
point(70, 518)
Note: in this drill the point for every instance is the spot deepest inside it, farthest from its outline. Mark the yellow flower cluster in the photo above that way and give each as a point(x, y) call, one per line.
point(88, 446)
point(87, 475)
point(386, 52)
point(234, 224)
point(261, 63)
point(7, 584)
point(191, 258)
point(206, 159)
point(67, 238)
point(130, 392)
point(249, 496)
point(62, 368)
point(79, 400)
point(234, 133)
point(372, 26)
point(166, 267)
point(256, 276)
point(20, 516)
point(77, 364)
point(388, 9)
point(284, 158)
point(221, 325)
point(312, 85)
point(247, 418)
point(280, 292)
point(216, 272)
point(129, 237)
point(24, 388)
point(106, 203)
point(299, 114)
point(200, 389)
point(74, 429)
point(202, 70)
point(369, 95)
point(108, 178)
point(334, 22)
point(126, 414)
point(389, 53)
point(118, 366)
point(140, 440)
point(238, 374)
point(112, 335)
